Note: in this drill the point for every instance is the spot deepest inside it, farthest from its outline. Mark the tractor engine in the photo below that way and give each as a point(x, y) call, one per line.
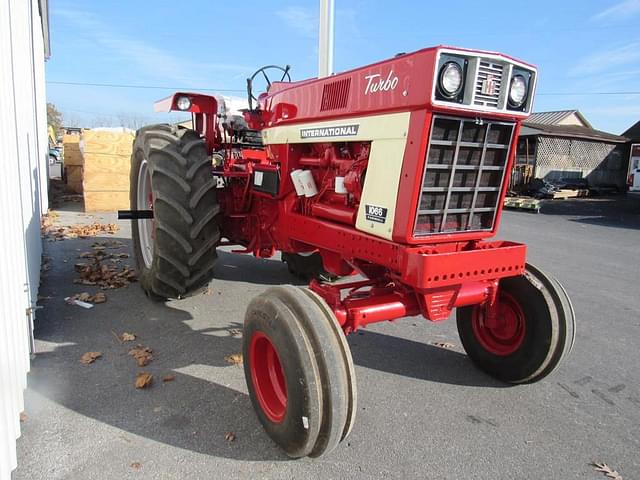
point(383, 186)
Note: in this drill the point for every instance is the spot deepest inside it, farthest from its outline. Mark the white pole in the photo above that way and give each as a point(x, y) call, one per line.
point(325, 46)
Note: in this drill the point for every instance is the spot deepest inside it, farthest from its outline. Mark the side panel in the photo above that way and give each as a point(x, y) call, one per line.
point(388, 136)
point(376, 213)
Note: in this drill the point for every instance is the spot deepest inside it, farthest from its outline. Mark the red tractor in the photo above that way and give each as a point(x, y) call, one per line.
point(393, 174)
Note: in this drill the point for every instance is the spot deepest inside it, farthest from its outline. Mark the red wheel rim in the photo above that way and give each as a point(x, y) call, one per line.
point(507, 335)
point(267, 377)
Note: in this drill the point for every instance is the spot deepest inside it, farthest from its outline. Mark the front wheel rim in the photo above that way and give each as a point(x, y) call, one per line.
point(267, 377)
point(144, 201)
point(508, 335)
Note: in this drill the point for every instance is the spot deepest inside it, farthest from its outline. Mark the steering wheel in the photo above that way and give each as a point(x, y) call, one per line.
point(263, 71)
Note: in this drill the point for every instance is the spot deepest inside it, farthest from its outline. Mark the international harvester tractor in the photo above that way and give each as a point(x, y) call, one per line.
point(382, 185)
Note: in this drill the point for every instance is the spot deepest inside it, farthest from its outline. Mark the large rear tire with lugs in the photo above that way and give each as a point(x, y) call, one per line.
point(171, 175)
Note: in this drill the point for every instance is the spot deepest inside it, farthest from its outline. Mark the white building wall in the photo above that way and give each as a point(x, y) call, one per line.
point(23, 198)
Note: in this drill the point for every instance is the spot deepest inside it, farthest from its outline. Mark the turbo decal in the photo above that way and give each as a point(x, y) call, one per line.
point(375, 83)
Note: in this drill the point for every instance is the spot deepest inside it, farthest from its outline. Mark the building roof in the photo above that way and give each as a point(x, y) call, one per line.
point(570, 131)
point(556, 117)
point(43, 6)
point(633, 132)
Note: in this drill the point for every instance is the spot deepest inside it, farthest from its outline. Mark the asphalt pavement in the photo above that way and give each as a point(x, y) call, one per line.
point(424, 411)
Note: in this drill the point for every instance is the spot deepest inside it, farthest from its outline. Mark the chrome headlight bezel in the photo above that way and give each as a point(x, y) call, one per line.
point(447, 64)
point(183, 103)
point(523, 77)
point(448, 69)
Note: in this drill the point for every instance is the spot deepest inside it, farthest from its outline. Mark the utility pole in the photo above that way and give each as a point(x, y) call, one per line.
point(325, 46)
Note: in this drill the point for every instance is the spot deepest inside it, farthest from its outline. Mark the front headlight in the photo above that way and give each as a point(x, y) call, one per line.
point(183, 103)
point(450, 79)
point(517, 91)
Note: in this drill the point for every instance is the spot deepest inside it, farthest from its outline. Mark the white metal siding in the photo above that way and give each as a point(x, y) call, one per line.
point(23, 197)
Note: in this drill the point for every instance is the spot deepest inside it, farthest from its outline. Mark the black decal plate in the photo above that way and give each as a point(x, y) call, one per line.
point(373, 213)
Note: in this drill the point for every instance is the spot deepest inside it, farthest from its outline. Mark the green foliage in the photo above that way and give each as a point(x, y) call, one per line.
point(54, 117)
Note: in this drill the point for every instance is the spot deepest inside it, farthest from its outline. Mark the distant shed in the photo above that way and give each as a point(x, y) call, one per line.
point(559, 117)
point(633, 132)
point(569, 148)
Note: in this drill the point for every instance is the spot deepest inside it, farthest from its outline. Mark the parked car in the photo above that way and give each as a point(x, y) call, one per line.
point(56, 167)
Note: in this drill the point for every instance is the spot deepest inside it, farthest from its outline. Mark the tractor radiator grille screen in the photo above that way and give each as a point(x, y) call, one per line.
point(488, 85)
point(463, 175)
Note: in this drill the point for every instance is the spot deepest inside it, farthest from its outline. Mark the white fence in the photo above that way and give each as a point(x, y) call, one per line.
point(23, 197)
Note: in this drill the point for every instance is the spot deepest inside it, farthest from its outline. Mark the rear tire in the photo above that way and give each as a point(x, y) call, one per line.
point(305, 408)
point(171, 173)
point(535, 331)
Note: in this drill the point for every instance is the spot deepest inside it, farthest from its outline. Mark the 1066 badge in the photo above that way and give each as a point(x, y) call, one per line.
point(373, 213)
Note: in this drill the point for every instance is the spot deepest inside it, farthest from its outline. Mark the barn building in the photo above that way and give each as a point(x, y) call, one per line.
point(563, 145)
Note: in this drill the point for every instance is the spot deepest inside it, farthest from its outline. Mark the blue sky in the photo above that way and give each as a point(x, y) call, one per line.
point(580, 48)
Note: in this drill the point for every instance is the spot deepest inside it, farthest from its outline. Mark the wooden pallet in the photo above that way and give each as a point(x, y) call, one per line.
point(523, 203)
point(567, 193)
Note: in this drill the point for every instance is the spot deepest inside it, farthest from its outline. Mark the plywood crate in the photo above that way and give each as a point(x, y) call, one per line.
point(72, 154)
point(106, 201)
point(74, 178)
point(106, 168)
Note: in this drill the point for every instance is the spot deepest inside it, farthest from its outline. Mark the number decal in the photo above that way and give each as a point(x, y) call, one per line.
point(374, 213)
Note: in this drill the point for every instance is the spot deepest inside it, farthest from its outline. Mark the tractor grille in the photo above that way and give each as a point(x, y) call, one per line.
point(488, 84)
point(463, 176)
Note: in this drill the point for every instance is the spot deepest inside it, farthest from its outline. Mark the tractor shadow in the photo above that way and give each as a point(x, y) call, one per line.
point(233, 267)
point(190, 339)
point(408, 358)
point(206, 398)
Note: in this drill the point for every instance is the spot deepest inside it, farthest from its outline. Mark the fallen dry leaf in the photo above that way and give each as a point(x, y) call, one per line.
point(136, 465)
point(234, 332)
point(54, 233)
point(143, 380)
point(105, 276)
point(234, 358)
point(607, 470)
point(128, 337)
point(112, 244)
point(142, 355)
point(99, 297)
point(23, 417)
point(443, 344)
point(90, 357)
point(168, 378)
point(84, 296)
point(230, 437)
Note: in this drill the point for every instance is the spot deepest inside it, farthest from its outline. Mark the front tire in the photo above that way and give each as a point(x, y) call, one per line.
point(300, 382)
point(533, 332)
point(171, 175)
